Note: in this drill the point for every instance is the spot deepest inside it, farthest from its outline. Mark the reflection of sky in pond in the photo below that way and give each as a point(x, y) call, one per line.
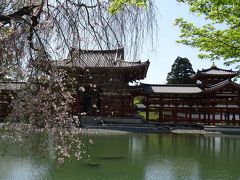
point(136, 146)
point(217, 146)
point(162, 169)
point(21, 169)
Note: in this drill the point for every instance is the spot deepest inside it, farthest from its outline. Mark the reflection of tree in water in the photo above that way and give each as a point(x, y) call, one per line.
point(91, 99)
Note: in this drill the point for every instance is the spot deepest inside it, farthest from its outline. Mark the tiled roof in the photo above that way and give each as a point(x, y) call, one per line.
point(215, 71)
point(220, 85)
point(171, 89)
point(101, 62)
point(98, 58)
point(11, 85)
point(217, 86)
point(119, 53)
point(218, 72)
point(224, 106)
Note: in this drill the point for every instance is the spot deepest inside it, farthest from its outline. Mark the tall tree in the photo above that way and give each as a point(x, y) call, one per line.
point(220, 37)
point(180, 72)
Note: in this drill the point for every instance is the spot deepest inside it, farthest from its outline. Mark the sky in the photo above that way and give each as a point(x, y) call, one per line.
point(163, 54)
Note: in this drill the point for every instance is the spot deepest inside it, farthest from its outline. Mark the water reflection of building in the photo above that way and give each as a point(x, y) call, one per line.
point(152, 156)
point(186, 157)
point(220, 152)
point(218, 146)
point(137, 146)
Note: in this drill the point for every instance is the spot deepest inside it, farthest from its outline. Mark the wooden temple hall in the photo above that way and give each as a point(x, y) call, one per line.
point(102, 88)
point(103, 78)
point(213, 99)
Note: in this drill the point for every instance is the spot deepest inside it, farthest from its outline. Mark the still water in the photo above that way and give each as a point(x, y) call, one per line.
point(126, 157)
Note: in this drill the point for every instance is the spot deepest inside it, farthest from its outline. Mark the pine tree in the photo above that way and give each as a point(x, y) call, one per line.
point(181, 72)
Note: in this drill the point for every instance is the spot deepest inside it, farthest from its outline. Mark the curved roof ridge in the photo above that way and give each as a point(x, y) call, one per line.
point(171, 85)
point(99, 61)
point(119, 52)
point(170, 89)
point(220, 85)
point(102, 51)
point(216, 68)
point(215, 71)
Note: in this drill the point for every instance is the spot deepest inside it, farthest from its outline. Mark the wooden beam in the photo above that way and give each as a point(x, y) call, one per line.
point(147, 109)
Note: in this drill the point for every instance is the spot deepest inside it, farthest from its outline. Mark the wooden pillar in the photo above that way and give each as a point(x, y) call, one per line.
point(160, 114)
point(227, 117)
point(174, 114)
point(204, 115)
point(190, 115)
point(213, 116)
point(122, 104)
point(78, 101)
point(186, 115)
point(238, 103)
point(132, 105)
point(221, 116)
point(238, 115)
point(233, 118)
point(199, 115)
point(209, 115)
point(227, 112)
point(147, 109)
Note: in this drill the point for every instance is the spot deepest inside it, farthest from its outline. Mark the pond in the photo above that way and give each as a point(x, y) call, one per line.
point(126, 157)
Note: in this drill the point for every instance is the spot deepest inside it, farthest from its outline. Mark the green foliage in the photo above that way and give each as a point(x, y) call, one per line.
point(214, 42)
point(153, 115)
point(117, 5)
point(180, 72)
point(138, 100)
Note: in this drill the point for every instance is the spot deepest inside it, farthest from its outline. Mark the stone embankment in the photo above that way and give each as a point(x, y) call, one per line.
point(97, 131)
point(185, 131)
point(116, 128)
point(177, 129)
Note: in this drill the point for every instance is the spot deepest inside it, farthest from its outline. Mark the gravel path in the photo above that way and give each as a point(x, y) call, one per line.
point(98, 131)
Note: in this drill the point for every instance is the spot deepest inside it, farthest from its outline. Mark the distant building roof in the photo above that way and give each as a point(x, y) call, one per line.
point(98, 58)
point(112, 53)
point(221, 85)
point(101, 62)
point(185, 88)
point(214, 71)
point(170, 89)
point(12, 86)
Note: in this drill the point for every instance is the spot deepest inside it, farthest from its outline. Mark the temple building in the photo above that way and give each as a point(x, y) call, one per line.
point(103, 78)
point(214, 98)
point(101, 88)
